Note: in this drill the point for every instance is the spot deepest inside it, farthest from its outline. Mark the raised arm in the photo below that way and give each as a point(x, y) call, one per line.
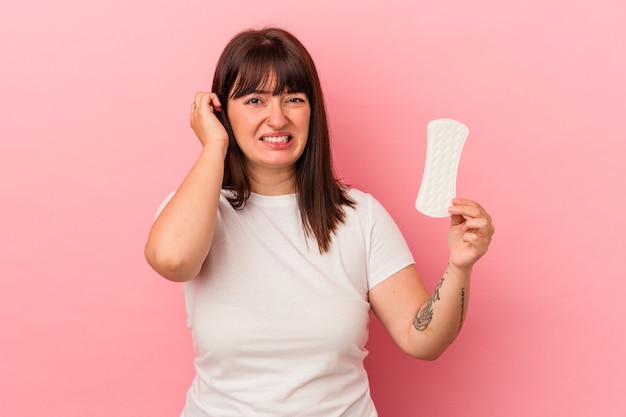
point(181, 236)
point(425, 325)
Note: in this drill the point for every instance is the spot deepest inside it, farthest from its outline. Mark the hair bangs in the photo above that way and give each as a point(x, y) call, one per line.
point(270, 69)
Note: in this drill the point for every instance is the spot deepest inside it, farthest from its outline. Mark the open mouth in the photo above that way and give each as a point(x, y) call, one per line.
point(276, 139)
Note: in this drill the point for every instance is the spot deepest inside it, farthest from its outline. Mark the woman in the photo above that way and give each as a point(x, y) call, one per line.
point(281, 262)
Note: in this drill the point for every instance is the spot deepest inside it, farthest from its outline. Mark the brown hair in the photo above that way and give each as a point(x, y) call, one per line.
point(245, 65)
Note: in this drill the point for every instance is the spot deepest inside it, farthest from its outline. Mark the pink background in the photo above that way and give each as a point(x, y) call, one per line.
point(94, 100)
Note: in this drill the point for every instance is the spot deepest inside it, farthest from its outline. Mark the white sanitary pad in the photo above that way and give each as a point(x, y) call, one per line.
point(445, 141)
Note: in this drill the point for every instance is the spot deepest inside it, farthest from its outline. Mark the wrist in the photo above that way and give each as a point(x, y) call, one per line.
point(459, 270)
point(215, 149)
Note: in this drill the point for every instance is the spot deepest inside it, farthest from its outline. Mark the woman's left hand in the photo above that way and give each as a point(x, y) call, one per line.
point(470, 232)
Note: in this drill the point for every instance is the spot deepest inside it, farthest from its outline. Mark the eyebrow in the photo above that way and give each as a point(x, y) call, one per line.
point(264, 91)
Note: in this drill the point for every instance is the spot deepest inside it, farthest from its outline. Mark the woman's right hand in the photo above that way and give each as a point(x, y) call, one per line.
point(205, 123)
point(181, 236)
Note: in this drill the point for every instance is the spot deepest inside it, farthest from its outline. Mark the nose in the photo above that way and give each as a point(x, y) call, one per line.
point(276, 116)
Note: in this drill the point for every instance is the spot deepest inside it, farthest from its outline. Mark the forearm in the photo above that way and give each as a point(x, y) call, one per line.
point(180, 238)
point(439, 320)
point(424, 326)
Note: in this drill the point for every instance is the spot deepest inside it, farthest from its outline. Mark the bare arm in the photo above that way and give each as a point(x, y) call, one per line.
point(425, 325)
point(422, 325)
point(181, 236)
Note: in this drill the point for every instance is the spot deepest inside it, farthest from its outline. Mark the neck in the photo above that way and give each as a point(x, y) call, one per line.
point(273, 182)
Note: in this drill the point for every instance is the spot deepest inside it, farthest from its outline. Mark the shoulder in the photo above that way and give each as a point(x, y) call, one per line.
point(365, 202)
point(361, 198)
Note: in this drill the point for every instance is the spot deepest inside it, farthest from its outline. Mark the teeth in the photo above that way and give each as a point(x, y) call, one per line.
point(275, 139)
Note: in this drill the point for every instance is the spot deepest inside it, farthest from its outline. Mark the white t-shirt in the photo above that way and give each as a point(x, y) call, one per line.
point(280, 329)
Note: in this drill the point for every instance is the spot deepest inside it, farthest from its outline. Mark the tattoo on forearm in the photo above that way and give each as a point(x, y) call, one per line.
point(425, 315)
point(462, 307)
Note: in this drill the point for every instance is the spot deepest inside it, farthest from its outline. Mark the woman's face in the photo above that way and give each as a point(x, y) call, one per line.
point(271, 130)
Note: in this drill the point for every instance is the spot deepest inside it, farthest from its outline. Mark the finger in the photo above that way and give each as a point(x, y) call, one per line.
point(200, 97)
point(461, 214)
point(197, 101)
point(456, 220)
point(465, 202)
point(212, 102)
point(468, 208)
point(477, 224)
point(202, 100)
point(215, 102)
point(471, 237)
point(477, 239)
point(208, 101)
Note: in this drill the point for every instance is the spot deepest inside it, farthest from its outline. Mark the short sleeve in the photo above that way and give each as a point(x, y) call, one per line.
point(164, 203)
point(388, 250)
